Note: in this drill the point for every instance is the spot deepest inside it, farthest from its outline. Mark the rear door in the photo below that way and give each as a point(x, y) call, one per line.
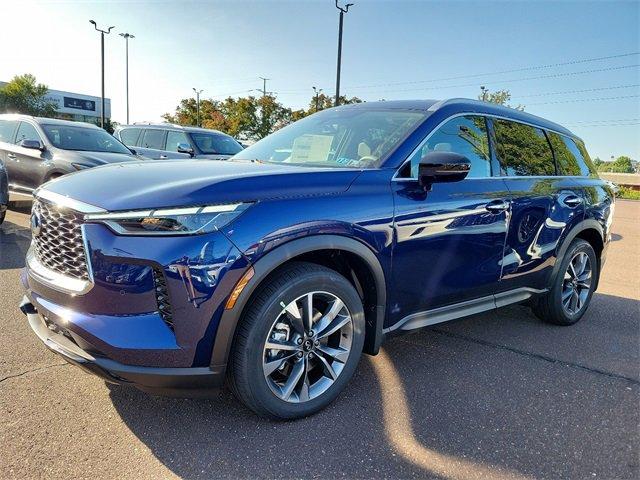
point(449, 240)
point(152, 143)
point(544, 205)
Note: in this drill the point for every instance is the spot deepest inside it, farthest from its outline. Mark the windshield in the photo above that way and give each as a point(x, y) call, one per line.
point(212, 143)
point(87, 139)
point(337, 138)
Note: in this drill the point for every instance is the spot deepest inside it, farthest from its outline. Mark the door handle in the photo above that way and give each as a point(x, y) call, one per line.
point(11, 156)
point(572, 201)
point(163, 156)
point(497, 206)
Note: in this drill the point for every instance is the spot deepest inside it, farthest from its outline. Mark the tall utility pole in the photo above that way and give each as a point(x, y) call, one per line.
point(343, 10)
point(102, 33)
point(198, 92)
point(127, 36)
point(264, 85)
point(317, 92)
point(484, 93)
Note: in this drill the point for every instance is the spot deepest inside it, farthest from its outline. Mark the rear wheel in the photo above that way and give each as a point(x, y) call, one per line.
point(299, 342)
point(570, 295)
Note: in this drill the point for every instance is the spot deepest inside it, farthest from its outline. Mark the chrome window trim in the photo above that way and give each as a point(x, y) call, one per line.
point(55, 280)
point(395, 177)
point(64, 201)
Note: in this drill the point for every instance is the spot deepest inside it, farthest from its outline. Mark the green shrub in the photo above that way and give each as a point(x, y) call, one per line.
point(628, 193)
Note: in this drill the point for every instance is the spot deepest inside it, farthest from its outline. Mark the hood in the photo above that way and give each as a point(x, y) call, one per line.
point(92, 159)
point(155, 184)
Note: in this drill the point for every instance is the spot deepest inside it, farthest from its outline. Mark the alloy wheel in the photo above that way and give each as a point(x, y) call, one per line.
point(307, 346)
point(577, 283)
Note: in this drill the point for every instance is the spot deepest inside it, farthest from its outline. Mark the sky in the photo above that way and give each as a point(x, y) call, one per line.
point(392, 50)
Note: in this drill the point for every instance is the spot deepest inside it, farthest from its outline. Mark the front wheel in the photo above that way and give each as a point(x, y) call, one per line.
point(299, 342)
point(571, 292)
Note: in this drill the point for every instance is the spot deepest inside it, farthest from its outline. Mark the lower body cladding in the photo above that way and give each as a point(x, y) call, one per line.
point(149, 314)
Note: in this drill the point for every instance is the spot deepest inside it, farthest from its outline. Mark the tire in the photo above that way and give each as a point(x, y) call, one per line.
point(550, 307)
point(268, 314)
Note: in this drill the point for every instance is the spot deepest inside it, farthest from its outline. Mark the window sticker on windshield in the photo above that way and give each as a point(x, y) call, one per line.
point(348, 162)
point(311, 148)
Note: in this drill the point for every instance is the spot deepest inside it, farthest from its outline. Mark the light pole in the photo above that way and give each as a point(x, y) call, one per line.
point(343, 10)
point(484, 93)
point(102, 32)
point(198, 92)
point(317, 92)
point(127, 36)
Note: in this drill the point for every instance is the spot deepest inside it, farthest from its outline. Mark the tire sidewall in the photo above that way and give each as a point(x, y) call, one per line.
point(330, 282)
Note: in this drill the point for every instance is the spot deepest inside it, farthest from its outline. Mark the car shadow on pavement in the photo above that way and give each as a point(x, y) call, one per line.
point(462, 401)
point(14, 243)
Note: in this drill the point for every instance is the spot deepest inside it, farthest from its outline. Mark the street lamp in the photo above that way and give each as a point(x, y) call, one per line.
point(198, 92)
point(127, 36)
point(484, 92)
point(343, 10)
point(317, 92)
point(102, 32)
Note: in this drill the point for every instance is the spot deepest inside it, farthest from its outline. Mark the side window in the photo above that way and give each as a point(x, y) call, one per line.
point(7, 128)
point(464, 135)
point(523, 150)
point(570, 158)
point(129, 136)
point(153, 138)
point(174, 139)
point(26, 131)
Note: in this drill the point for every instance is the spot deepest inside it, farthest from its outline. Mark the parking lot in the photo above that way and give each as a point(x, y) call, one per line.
point(498, 395)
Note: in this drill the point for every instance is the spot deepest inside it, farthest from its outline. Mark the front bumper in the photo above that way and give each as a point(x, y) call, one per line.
point(189, 382)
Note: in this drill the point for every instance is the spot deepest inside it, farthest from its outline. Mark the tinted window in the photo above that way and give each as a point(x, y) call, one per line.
point(569, 157)
point(153, 139)
point(212, 143)
point(7, 127)
point(70, 137)
point(26, 131)
point(174, 139)
point(523, 150)
point(464, 135)
point(129, 136)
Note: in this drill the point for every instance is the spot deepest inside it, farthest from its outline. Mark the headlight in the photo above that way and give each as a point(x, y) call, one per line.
point(169, 221)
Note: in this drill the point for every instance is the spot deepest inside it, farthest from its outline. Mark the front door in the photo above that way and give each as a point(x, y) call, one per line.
point(25, 165)
point(449, 240)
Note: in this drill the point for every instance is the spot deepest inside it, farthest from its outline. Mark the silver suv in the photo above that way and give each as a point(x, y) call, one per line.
point(169, 141)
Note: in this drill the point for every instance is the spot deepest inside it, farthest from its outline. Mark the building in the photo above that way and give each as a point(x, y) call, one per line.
point(77, 106)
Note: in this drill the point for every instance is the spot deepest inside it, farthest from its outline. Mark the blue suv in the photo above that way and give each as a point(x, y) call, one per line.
point(276, 270)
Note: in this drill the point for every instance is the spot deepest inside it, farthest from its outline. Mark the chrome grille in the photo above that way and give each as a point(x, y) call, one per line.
point(59, 246)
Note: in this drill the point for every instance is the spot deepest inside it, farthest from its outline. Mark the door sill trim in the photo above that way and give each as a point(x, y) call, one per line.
point(463, 309)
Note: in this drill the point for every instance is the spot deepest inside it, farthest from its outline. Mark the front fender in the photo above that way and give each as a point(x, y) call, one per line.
point(279, 255)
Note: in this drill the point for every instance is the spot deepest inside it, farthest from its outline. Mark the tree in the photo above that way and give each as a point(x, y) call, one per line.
point(621, 164)
point(244, 117)
point(501, 97)
point(23, 95)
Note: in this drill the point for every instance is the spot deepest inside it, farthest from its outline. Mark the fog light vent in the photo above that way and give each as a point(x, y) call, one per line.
point(162, 297)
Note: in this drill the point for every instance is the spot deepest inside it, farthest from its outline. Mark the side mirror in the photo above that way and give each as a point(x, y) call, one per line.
point(185, 148)
point(441, 167)
point(32, 144)
point(133, 152)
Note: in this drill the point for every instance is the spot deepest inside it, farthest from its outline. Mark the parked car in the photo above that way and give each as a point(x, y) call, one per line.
point(168, 141)
point(35, 150)
point(4, 192)
point(385, 217)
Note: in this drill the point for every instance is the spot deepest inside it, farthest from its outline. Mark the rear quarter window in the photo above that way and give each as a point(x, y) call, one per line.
point(523, 150)
point(7, 129)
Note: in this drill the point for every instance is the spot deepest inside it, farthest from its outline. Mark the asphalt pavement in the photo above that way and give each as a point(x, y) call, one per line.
point(497, 395)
